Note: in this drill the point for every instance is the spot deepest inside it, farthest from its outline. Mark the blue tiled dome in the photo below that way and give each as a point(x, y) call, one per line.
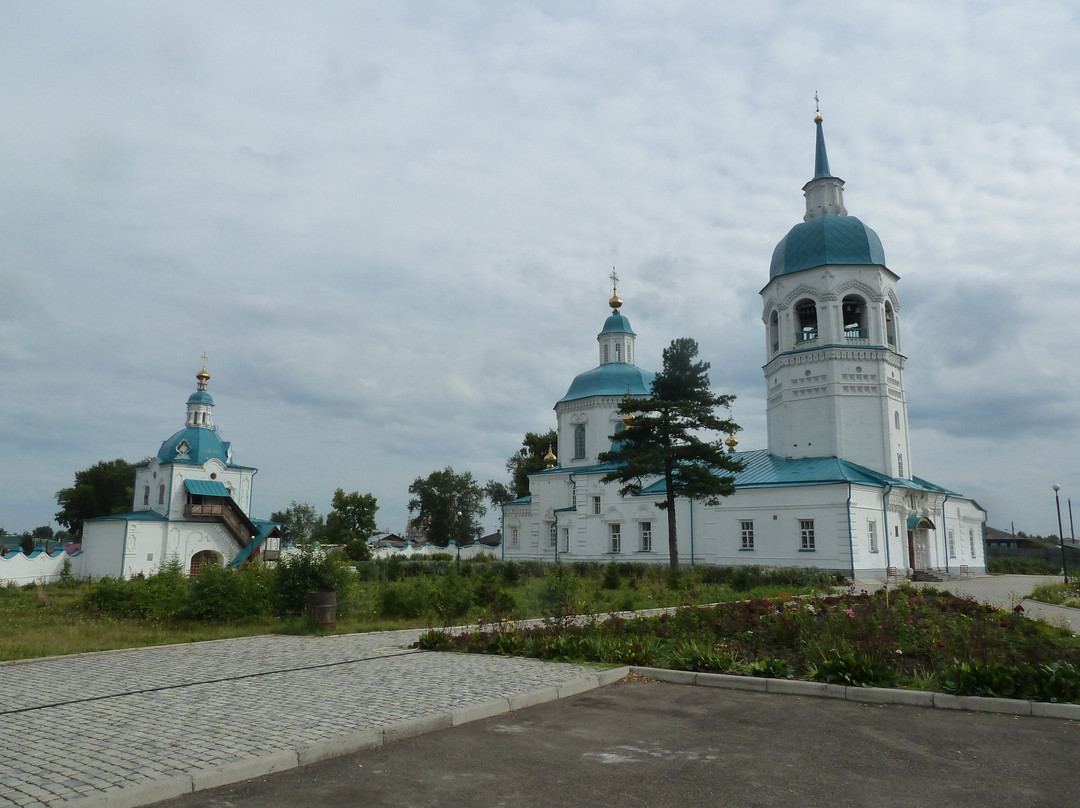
point(611, 379)
point(826, 240)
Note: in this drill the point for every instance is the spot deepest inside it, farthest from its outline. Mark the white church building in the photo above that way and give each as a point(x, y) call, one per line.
point(835, 488)
point(191, 504)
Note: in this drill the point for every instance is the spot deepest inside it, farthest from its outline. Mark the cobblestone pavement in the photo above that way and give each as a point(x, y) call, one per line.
point(117, 727)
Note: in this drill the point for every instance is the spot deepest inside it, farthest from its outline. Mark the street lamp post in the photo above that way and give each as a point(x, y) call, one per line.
point(1061, 534)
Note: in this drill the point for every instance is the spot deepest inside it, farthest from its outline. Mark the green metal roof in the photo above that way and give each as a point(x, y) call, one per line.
point(826, 240)
point(207, 488)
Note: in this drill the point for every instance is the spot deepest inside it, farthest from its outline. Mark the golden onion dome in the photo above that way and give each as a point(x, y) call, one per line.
point(550, 459)
point(731, 443)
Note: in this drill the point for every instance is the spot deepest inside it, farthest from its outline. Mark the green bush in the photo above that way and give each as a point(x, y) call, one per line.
point(1021, 565)
point(309, 570)
point(223, 595)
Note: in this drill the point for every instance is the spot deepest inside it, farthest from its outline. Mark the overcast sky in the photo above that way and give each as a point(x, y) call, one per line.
point(390, 225)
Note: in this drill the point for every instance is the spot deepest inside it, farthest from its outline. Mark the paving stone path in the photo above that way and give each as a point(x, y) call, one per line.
point(129, 727)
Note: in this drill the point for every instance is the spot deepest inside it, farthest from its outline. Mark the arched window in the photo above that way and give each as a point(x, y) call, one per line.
point(806, 328)
point(896, 419)
point(854, 311)
point(146, 495)
point(579, 442)
point(890, 324)
point(618, 352)
point(606, 353)
point(629, 355)
point(161, 494)
point(774, 331)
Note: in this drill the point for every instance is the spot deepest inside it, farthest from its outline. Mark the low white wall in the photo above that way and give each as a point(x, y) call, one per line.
point(37, 568)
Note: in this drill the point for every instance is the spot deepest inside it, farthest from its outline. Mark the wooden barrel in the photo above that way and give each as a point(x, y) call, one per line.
point(322, 610)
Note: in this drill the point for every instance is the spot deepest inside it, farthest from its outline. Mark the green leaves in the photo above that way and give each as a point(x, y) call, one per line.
point(450, 506)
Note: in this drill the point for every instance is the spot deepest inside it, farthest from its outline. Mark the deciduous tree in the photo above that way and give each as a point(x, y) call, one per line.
point(351, 522)
point(101, 490)
point(301, 524)
point(666, 437)
point(449, 507)
point(529, 458)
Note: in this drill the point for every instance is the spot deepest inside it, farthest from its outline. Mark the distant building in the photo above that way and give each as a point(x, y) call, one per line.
point(834, 489)
point(191, 504)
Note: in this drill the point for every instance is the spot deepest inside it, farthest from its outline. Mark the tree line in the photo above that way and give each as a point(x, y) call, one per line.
point(675, 435)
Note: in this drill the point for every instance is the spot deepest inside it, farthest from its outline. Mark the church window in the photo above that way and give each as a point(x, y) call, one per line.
point(596, 505)
point(514, 540)
point(806, 321)
point(896, 419)
point(566, 539)
point(618, 352)
point(161, 495)
point(615, 532)
point(646, 536)
point(871, 533)
point(952, 545)
point(746, 529)
point(806, 534)
point(146, 495)
point(899, 465)
point(890, 324)
point(606, 360)
point(579, 442)
point(774, 331)
point(971, 541)
point(552, 534)
point(854, 312)
point(629, 355)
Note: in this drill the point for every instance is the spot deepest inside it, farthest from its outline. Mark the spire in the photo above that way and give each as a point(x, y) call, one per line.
point(824, 193)
point(821, 158)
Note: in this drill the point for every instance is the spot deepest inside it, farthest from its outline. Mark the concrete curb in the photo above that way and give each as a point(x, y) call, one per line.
point(865, 695)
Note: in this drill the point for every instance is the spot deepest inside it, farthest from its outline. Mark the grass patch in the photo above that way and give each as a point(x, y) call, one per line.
point(1058, 594)
point(169, 607)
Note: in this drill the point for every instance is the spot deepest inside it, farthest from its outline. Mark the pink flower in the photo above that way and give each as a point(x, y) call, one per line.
point(849, 613)
point(1018, 608)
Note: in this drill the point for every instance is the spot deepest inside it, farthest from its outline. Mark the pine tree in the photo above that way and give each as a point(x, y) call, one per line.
point(664, 437)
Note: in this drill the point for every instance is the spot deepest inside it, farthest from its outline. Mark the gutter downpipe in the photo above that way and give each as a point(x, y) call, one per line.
point(123, 547)
point(850, 537)
point(885, 514)
point(945, 529)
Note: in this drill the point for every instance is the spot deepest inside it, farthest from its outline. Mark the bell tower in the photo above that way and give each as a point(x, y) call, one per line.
point(834, 373)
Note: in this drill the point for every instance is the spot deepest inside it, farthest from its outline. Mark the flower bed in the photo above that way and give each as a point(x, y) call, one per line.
point(914, 638)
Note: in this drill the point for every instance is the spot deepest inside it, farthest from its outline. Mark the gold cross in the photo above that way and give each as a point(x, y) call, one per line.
point(614, 278)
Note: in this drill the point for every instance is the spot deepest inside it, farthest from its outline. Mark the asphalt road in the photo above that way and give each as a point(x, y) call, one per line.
point(641, 743)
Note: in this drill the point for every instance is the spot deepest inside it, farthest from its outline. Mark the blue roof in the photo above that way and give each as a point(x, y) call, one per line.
point(617, 324)
point(135, 516)
point(200, 397)
point(611, 379)
point(202, 445)
point(207, 488)
point(826, 240)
